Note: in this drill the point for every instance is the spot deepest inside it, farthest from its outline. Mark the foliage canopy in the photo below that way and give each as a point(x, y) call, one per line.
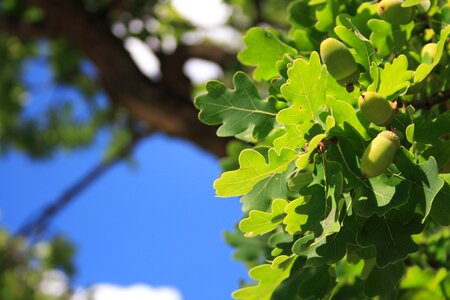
point(314, 226)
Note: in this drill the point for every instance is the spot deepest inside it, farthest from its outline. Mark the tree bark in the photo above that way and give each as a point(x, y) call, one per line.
point(161, 105)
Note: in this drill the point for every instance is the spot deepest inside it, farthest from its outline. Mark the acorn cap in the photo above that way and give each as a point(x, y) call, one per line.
point(392, 137)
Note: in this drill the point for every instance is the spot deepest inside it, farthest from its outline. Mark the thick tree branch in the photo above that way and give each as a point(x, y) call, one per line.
point(25, 30)
point(160, 105)
point(209, 52)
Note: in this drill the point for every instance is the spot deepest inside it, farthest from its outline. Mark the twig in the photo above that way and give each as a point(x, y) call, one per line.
point(427, 103)
point(40, 223)
point(258, 11)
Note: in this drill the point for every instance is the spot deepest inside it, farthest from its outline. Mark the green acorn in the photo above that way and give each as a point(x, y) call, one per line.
point(376, 108)
point(392, 12)
point(339, 61)
point(379, 154)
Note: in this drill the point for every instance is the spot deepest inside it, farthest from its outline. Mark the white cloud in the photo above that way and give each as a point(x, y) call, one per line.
point(203, 13)
point(135, 292)
point(143, 56)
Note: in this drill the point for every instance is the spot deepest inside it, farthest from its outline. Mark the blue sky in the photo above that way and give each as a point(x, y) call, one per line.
point(159, 224)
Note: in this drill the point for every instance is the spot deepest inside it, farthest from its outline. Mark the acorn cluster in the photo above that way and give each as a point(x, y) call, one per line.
point(375, 107)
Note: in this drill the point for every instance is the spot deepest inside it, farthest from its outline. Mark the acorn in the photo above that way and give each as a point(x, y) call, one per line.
point(392, 12)
point(376, 108)
point(379, 154)
point(339, 61)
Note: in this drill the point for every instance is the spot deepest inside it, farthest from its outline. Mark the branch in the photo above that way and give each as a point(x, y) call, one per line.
point(160, 105)
point(39, 223)
point(437, 98)
point(209, 52)
point(24, 30)
point(173, 76)
point(258, 11)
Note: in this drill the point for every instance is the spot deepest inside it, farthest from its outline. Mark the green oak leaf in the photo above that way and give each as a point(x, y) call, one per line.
point(345, 113)
point(316, 282)
point(339, 92)
point(383, 192)
point(293, 138)
point(306, 282)
point(395, 77)
point(263, 50)
point(305, 40)
point(279, 238)
point(391, 238)
point(396, 36)
point(288, 289)
point(424, 69)
point(333, 249)
point(432, 137)
point(294, 220)
point(388, 38)
point(375, 75)
point(364, 52)
point(303, 159)
point(348, 152)
point(238, 110)
point(269, 277)
point(259, 198)
point(330, 123)
point(231, 162)
point(429, 279)
point(300, 180)
point(383, 282)
point(301, 14)
point(381, 196)
point(321, 211)
point(249, 251)
point(307, 212)
point(282, 67)
point(366, 11)
point(440, 211)
point(253, 169)
point(424, 179)
point(333, 181)
point(260, 222)
point(409, 133)
point(326, 15)
point(305, 89)
point(302, 244)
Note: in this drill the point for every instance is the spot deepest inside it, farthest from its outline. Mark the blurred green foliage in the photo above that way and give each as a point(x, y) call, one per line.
point(35, 271)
